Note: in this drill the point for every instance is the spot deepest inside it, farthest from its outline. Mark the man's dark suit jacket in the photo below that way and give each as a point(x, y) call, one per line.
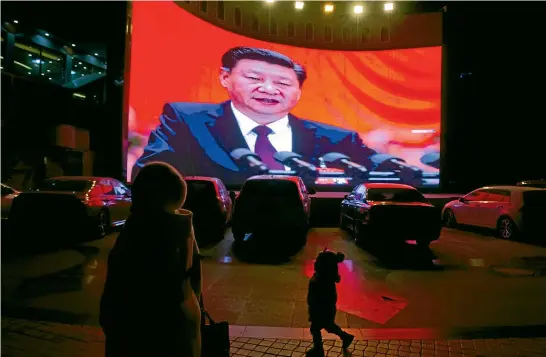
point(196, 138)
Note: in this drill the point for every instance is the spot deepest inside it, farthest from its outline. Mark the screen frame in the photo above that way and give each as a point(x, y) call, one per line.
point(332, 188)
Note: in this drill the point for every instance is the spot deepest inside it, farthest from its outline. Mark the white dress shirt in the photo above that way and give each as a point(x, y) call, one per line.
point(280, 137)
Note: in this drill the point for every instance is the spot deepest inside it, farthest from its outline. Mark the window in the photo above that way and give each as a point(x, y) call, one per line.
point(272, 27)
point(328, 33)
point(220, 10)
point(346, 34)
point(360, 193)
point(309, 32)
point(203, 6)
point(290, 29)
point(254, 23)
point(385, 34)
point(238, 17)
point(499, 196)
point(478, 195)
point(365, 35)
point(395, 195)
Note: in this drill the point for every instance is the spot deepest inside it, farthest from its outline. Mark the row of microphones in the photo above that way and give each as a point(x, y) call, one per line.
point(386, 167)
point(287, 158)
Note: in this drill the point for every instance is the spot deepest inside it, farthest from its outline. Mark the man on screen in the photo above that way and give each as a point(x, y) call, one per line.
point(264, 87)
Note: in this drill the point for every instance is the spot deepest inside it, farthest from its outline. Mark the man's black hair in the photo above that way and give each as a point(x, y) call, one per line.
point(234, 55)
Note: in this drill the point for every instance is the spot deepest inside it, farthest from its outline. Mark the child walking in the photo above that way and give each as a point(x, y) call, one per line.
point(322, 299)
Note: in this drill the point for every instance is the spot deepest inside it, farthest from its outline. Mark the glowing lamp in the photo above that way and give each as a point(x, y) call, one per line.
point(328, 8)
point(299, 5)
point(388, 6)
point(358, 9)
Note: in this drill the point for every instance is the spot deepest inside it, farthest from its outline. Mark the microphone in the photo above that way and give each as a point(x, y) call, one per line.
point(250, 158)
point(293, 161)
point(343, 161)
point(388, 162)
point(431, 159)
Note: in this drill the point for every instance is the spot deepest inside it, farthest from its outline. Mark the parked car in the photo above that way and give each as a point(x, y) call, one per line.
point(510, 210)
point(389, 213)
point(274, 204)
point(533, 183)
point(212, 207)
point(8, 194)
point(71, 204)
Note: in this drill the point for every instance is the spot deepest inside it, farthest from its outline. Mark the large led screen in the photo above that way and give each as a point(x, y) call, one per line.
point(214, 103)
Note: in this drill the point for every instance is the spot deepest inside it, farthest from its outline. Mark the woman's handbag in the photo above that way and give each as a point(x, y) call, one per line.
point(214, 336)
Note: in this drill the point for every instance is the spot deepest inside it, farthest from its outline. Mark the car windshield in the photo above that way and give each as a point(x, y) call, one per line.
point(200, 189)
point(65, 185)
point(270, 188)
point(395, 195)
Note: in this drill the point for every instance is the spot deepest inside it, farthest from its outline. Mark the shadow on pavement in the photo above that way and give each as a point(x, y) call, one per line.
point(403, 256)
point(267, 249)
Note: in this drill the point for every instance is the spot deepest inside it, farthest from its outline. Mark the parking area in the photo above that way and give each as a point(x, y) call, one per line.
point(467, 280)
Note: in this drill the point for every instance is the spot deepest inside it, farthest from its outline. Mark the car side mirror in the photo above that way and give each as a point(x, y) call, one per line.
point(311, 191)
point(232, 195)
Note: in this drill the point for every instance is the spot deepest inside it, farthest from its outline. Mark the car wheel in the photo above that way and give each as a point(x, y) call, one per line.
point(506, 228)
point(449, 219)
point(103, 223)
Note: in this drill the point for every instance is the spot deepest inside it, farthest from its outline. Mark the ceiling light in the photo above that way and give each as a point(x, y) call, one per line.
point(73, 45)
point(328, 8)
point(388, 6)
point(47, 34)
point(96, 54)
point(358, 9)
point(15, 21)
point(299, 5)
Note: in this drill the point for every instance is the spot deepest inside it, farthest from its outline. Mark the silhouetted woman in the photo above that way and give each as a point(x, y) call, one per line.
point(150, 302)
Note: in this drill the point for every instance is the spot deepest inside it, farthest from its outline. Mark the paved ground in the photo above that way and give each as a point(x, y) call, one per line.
point(23, 338)
point(468, 280)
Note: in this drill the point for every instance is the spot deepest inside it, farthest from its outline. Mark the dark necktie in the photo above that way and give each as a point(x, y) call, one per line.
point(265, 149)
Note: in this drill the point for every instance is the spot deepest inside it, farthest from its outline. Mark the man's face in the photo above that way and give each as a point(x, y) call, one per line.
point(262, 90)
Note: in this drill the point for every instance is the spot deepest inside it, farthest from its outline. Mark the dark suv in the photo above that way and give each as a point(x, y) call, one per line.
point(271, 205)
